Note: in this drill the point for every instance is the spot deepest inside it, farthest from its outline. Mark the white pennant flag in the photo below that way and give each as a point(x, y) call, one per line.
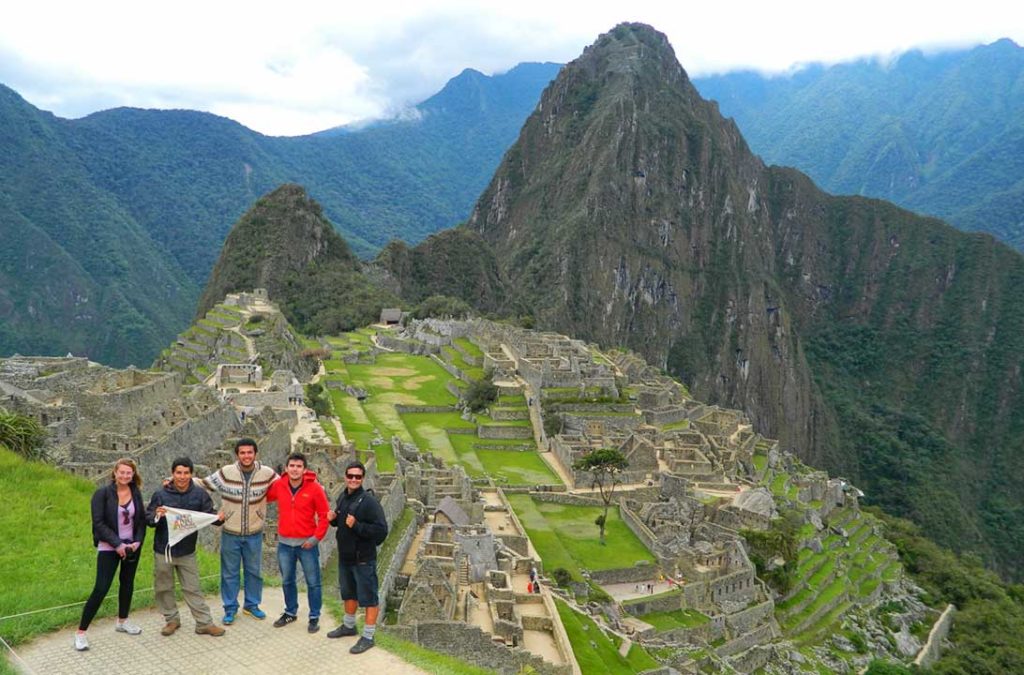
point(182, 522)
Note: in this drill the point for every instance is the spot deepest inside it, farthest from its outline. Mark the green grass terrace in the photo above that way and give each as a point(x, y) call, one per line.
point(565, 536)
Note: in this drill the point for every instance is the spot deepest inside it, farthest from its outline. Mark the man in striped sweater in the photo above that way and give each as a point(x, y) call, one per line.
point(243, 489)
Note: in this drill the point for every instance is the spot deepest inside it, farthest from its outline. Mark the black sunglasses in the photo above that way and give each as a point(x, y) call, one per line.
point(356, 476)
point(126, 515)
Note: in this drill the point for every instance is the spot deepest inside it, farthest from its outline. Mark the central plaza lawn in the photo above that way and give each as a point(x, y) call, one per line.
point(420, 379)
point(566, 536)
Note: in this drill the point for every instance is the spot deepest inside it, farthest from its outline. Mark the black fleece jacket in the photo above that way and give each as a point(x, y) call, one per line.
point(106, 512)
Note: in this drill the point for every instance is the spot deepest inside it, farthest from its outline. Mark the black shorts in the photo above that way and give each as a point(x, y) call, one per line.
point(359, 582)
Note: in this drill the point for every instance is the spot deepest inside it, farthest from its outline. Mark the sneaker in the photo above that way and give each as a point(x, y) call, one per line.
point(342, 631)
point(285, 620)
point(126, 627)
point(170, 627)
point(229, 618)
point(361, 645)
point(81, 642)
point(255, 612)
point(210, 629)
point(314, 626)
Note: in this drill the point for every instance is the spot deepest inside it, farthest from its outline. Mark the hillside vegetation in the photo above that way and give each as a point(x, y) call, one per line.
point(112, 223)
point(939, 133)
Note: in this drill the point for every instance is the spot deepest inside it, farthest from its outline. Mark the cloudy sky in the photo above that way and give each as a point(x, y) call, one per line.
point(297, 66)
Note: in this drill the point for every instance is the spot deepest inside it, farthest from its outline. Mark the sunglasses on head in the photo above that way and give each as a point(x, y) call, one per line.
point(354, 476)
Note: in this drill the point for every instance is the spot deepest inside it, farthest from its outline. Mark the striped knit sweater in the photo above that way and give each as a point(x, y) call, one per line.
point(245, 510)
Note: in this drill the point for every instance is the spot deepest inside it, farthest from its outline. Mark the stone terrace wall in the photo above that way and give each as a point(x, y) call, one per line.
point(471, 644)
point(196, 437)
point(641, 571)
point(640, 529)
point(388, 576)
point(666, 602)
point(563, 498)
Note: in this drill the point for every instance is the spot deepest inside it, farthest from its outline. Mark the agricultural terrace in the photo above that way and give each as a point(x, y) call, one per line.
point(565, 535)
point(399, 379)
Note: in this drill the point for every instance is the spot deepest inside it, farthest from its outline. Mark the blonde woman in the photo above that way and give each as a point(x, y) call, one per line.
point(118, 529)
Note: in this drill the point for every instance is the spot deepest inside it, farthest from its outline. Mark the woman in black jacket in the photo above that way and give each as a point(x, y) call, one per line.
point(118, 529)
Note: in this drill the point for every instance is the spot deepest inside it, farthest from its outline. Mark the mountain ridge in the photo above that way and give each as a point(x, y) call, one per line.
point(663, 232)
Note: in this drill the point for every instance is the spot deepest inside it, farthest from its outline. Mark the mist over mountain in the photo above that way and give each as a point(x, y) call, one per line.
point(941, 134)
point(876, 343)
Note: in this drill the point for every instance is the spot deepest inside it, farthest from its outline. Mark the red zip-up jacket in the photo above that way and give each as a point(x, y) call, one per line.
point(303, 514)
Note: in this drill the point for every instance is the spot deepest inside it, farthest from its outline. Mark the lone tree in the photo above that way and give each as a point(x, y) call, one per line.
point(604, 466)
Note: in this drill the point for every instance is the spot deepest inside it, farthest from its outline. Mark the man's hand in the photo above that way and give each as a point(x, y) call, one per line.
point(331, 515)
point(221, 517)
point(350, 520)
point(160, 512)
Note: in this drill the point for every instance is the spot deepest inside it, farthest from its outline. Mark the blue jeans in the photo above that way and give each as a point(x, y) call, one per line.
point(309, 558)
point(236, 552)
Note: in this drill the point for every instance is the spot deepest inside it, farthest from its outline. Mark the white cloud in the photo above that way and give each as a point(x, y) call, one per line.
point(302, 65)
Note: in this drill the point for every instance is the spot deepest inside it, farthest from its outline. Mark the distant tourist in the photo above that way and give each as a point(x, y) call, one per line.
point(243, 489)
point(180, 493)
point(362, 527)
point(301, 525)
point(118, 530)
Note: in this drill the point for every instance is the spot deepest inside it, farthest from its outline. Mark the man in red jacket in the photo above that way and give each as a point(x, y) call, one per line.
point(301, 525)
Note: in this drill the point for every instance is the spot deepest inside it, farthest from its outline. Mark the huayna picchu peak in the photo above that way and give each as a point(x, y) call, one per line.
point(871, 341)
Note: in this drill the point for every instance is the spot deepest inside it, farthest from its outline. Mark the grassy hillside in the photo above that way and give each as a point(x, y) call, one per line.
point(47, 559)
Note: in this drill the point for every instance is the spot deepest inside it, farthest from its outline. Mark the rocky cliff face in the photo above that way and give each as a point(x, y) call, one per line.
point(630, 213)
point(867, 339)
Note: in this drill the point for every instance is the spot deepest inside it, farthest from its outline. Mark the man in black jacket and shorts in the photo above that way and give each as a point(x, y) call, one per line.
point(362, 527)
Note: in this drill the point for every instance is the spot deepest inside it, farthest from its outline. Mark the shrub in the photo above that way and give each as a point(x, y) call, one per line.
point(24, 435)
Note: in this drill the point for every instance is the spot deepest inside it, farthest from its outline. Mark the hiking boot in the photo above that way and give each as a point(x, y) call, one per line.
point(314, 626)
point(255, 612)
point(170, 627)
point(361, 645)
point(81, 642)
point(127, 627)
point(229, 618)
point(285, 620)
point(210, 629)
point(342, 631)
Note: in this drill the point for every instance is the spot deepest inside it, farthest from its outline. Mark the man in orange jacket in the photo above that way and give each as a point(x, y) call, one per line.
point(301, 525)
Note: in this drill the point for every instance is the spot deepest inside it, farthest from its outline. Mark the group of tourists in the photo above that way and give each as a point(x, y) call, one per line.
point(120, 520)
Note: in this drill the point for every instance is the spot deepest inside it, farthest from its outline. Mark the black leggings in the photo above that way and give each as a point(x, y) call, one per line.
point(106, 565)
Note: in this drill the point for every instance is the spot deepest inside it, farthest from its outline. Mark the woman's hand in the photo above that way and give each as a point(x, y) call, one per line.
point(122, 549)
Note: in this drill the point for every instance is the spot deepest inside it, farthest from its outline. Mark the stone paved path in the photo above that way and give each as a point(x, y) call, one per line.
point(249, 647)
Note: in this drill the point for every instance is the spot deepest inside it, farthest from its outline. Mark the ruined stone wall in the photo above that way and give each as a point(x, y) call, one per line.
point(752, 659)
point(639, 528)
point(737, 586)
point(663, 416)
point(665, 602)
point(389, 341)
point(748, 619)
point(503, 432)
point(200, 438)
point(471, 644)
point(387, 571)
point(759, 636)
point(564, 498)
point(641, 571)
